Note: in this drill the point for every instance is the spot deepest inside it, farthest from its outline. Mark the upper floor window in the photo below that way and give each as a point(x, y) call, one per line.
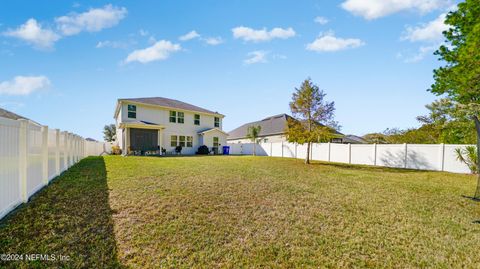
point(173, 116)
point(217, 122)
point(196, 120)
point(180, 117)
point(132, 111)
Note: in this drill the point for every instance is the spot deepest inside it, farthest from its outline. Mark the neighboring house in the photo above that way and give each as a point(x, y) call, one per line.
point(272, 130)
point(10, 115)
point(350, 139)
point(150, 124)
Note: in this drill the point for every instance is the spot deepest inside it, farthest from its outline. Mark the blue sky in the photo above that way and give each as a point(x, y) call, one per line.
point(64, 64)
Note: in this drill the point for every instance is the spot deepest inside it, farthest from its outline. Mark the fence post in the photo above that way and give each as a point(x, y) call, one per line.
point(374, 153)
point(442, 157)
point(329, 149)
point(271, 151)
point(349, 153)
point(296, 150)
point(406, 154)
point(282, 148)
point(57, 152)
point(45, 154)
point(22, 157)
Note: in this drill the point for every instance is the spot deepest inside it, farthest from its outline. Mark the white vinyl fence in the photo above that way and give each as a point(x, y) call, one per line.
point(435, 157)
point(32, 155)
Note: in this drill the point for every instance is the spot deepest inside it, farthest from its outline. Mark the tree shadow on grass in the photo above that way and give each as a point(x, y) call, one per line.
point(70, 219)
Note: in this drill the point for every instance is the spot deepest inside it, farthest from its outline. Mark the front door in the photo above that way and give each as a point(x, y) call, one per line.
point(143, 139)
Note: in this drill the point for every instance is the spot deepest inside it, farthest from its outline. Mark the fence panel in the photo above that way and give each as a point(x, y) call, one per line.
point(34, 159)
point(10, 195)
point(320, 152)
point(289, 150)
point(52, 154)
point(424, 157)
point(277, 149)
point(437, 157)
point(451, 163)
point(30, 156)
point(339, 153)
point(391, 155)
point(363, 154)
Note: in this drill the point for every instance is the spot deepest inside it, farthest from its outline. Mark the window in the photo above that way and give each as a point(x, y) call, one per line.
point(217, 122)
point(189, 141)
point(173, 116)
point(215, 142)
point(182, 141)
point(196, 120)
point(173, 141)
point(181, 117)
point(132, 111)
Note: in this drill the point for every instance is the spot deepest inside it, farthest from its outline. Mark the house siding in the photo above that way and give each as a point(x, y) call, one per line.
point(161, 116)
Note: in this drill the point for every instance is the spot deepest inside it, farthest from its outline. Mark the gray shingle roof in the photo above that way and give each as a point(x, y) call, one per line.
point(10, 115)
point(273, 125)
point(166, 102)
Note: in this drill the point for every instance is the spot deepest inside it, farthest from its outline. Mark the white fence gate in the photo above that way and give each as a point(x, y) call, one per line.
point(32, 155)
point(435, 157)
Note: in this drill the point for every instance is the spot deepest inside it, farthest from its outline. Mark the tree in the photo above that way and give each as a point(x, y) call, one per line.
point(252, 133)
point(109, 133)
point(459, 79)
point(313, 117)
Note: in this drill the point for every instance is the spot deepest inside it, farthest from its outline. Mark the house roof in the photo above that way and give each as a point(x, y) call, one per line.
point(274, 125)
point(212, 130)
point(353, 139)
point(166, 102)
point(10, 115)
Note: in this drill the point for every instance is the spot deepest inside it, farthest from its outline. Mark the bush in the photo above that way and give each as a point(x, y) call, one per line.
point(116, 150)
point(178, 149)
point(203, 150)
point(468, 155)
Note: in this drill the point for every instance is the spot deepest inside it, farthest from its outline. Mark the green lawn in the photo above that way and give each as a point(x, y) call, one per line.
point(242, 211)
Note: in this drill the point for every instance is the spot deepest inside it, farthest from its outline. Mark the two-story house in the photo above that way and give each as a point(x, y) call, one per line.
point(149, 124)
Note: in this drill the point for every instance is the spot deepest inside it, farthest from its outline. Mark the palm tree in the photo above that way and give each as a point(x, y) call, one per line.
point(468, 156)
point(252, 134)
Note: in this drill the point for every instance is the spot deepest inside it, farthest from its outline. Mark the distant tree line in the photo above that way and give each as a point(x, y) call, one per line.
point(443, 124)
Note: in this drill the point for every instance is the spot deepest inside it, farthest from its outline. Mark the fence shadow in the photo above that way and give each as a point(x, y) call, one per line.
point(70, 220)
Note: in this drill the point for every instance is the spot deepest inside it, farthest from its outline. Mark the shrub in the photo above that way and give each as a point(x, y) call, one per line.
point(468, 155)
point(178, 149)
point(116, 150)
point(203, 150)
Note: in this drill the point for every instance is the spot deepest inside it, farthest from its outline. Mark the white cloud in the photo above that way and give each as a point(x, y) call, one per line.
point(33, 33)
point(113, 44)
point(161, 50)
point(422, 52)
point(249, 34)
point(189, 36)
point(24, 85)
point(257, 56)
point(213, 41)
point(328, 43)
point(431, 31)
point(143, 32)
point(93, 20)
point(373, 9)
point(321, 20)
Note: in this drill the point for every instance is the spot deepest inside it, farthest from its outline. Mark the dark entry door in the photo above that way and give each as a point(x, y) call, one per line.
point(143, 139)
